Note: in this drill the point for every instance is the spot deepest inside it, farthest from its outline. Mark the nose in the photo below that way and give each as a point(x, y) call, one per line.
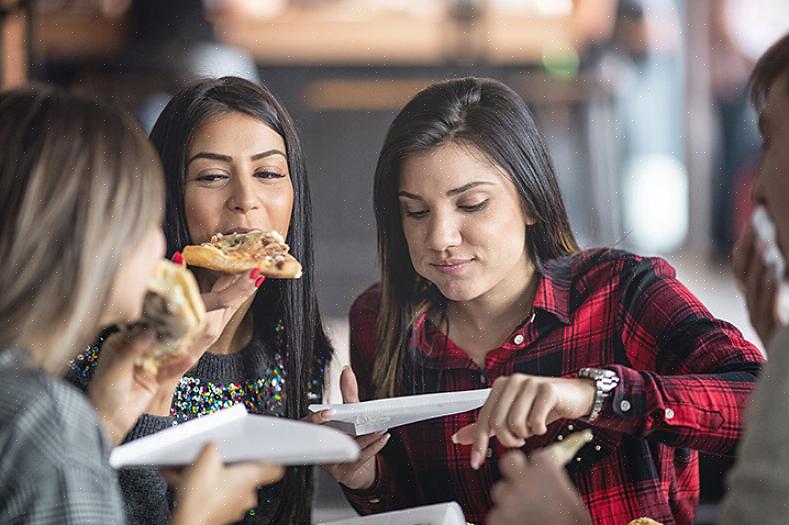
point(443, 232)
point(243, 198)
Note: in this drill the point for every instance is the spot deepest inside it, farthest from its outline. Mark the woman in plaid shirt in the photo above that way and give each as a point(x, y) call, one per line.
point(483, 285)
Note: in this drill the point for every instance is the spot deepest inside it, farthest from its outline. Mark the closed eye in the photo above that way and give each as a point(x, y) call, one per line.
point(211, 177)
point(474, 207)
point(416, 214)
point(265, 174)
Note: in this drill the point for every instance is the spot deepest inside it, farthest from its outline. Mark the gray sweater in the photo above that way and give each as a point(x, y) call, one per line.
point(255, 377)
point(759, 482)
point(54, 466)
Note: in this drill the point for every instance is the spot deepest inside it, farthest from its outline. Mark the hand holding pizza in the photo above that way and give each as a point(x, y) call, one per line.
point(535, 490)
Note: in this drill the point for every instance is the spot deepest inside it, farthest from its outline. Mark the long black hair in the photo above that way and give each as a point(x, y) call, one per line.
point(293, 301)
point(490, 117)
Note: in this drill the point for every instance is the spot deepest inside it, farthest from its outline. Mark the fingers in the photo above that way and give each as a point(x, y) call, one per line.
point(175, 367)
point(177, 258)
point(509, 424)
point(130, 344)
point(254, 475)
point(319, 418)
point(232, 290)
point(742, 255)
point(348, 386)
point(368, 452)
point(513, 464)
point(542, 406)
point(208, 458)
point(482, 428)
point(465, 436)
point(171, 475)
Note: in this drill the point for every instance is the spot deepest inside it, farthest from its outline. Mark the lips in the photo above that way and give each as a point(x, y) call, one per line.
point(240, 230)
point(452, 266)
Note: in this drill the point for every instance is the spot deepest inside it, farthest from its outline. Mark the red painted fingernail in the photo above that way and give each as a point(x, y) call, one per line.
point(259, 281)
point(254, 273)
point(178, 258)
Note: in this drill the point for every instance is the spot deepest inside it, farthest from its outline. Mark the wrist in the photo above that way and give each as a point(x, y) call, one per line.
point(588, 392)
point(604, 383)
point(162, 402)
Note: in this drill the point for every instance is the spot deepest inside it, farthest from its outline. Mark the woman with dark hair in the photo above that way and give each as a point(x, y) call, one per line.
point(483, 285)
point(233, 162)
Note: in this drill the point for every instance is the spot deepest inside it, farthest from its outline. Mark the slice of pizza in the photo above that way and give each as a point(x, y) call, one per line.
point(173, 310)
point(563, 451)
point(239, 252)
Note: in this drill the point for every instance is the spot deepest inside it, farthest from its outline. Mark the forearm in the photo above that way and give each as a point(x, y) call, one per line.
point(701, 411)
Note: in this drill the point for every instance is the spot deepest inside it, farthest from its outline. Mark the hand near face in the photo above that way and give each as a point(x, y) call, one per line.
point(121, 390)
point(360, 474)
point(757, 283)
point(535, 491)
point(521, 406)
point(226, 297)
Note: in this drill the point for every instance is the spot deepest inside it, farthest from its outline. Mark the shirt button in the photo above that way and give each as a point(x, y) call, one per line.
point(483, 379)
point(518, 339)
point(624, 406)
point(489, 453)
point(669, 413)
point(375, 500)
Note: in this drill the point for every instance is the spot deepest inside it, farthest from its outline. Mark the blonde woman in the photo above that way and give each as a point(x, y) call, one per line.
point(81, 198)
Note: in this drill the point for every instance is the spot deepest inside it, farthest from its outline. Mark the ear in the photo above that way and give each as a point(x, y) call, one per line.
point(528, 218)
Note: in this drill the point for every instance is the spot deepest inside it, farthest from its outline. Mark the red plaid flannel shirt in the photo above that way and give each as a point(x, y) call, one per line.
point(685, 379)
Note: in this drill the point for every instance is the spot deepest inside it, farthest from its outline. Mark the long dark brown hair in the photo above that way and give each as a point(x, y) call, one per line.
point(490, 117)
point(294, 301)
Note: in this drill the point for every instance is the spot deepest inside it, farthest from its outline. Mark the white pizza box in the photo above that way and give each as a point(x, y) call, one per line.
point(440, 514)
point(240, 436)
point(358, 419)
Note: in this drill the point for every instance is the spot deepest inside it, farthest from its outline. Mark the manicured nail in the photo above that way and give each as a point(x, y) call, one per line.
point(454, 438)
point(386, 437)
point(259, 281)
point(327, 414)
point(254, 274)
point(476, 459)
point(178, 258)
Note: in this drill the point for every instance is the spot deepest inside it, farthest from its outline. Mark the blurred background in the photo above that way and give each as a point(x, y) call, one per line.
point(643, 104)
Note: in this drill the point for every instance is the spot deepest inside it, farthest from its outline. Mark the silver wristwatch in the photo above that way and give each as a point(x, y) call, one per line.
point(605, 382)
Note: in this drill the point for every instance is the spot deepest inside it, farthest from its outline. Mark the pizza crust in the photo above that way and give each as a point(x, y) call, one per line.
point(173, 310)
point(564, 451)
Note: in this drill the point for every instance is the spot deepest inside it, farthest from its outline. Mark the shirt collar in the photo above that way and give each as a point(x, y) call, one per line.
point(553, 291)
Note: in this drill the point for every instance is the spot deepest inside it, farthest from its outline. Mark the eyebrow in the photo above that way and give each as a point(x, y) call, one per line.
point(228, 158)
point(450, 193)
